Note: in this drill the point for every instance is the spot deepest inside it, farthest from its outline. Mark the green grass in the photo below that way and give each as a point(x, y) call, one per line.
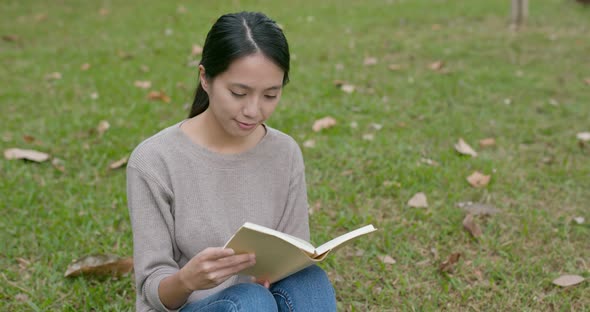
point(540, 176)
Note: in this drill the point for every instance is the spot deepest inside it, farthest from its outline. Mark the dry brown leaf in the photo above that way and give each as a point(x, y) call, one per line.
point(309, 143)
point(436, 66)
point(94, 95)
point(472, 227)
point(102, 127)
point(429, 161)
point(449, 264)
point(579, 220)
point(387, 259)
point(435, 27)
point(368, 137)
point(369, 61)
point(142, 84)
point(28, 138)
point(100, 265)
point(11, 38)
point(196, 50)
point(85, 66)
point(32, 155)
point(568, 280)
point(323, 123)
point(53, 76)
point(463, 148)
point(478, 179)
point(103, 12)
point(348, 88)
point(124, 55)
point(587, 81)
point(487, 142)
point(159, 95)
point(40, 17)
point(22, 297)
point(394, 67)
point(478, 209)
point(583, 136)
point(58, 164)
point(418, 201)
point(119, 163)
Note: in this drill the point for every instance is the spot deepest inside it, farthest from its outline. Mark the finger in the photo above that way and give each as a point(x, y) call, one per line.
point(224, 273)
point(214, 253)
point(234, 260)
point(266, 284)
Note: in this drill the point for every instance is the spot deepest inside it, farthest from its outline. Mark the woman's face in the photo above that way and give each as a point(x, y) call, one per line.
point(245, 95)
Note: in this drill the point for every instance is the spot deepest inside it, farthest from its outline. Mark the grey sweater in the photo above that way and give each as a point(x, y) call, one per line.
point(184, 198)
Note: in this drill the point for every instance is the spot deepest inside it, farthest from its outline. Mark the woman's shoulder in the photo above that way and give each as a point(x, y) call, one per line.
point(154, 147)
point(281, 138)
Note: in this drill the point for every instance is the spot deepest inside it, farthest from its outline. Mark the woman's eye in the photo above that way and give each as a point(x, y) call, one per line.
point(237, 94)
point(270, 97)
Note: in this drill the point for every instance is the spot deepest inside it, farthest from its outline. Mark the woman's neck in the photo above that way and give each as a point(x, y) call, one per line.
point(204, 130)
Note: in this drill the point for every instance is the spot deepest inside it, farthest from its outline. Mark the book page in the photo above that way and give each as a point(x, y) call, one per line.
point(298, 242)
point(275, 257)
point(340, 240)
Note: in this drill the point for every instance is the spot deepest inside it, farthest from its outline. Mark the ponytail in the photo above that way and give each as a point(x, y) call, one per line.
point(200, 103)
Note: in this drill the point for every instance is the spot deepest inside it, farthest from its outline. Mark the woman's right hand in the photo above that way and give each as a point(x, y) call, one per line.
point(212, 267)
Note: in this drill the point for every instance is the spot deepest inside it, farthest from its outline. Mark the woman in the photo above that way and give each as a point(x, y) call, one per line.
point(192, 185)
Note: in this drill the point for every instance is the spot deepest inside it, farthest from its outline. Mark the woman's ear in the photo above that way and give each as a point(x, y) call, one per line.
point(203, 78)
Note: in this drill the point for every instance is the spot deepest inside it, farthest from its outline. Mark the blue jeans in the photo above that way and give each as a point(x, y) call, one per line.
point(307, 290)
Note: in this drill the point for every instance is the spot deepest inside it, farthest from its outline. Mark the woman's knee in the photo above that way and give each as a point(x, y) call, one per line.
point(253, 297)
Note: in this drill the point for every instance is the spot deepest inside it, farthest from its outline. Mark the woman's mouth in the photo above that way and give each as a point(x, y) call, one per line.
point(245, 126)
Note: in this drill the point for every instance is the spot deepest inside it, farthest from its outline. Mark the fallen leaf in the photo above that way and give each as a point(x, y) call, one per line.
point(429, 161)
point(568, 280)
point(100, 265)
point(85, 66)
point(348, 88)
point(309, 143)
point(40, 17)
point(28, 138)
point(339, 66)
point(579, 220)
point(142, 84)
point(354, 124)
point(103, 12)
point(323, 123)
point(587, 81)
point(196, 50)
point(53, 76)
point(119, 163)
point(94, 95)
point(102, 127)
point(368, 137)
point(472, 227)
point(144, 68)
point(369, 61)
point(376, 126)
point(387, 259)
point(21, 297)
point(11, 38)
point(463, 148)
point(583, 136)
point(32, 155)
point(181, 9)
point(477, 179)
point(124, 55)
point(58, 164)
point(436, 66)
point(418, 201)
point(159, 95)
point(488, 142)
point(449, 264)
point(394, 67)
point(435, 27)
point(478, 209)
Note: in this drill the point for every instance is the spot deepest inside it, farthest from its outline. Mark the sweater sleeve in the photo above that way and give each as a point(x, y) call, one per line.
point(295, 220)
point(153, 227)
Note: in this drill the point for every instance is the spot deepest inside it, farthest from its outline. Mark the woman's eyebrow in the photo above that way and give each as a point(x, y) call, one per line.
point(243, 86)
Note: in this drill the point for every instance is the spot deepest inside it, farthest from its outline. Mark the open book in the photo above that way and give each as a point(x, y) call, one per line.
point(279, 255)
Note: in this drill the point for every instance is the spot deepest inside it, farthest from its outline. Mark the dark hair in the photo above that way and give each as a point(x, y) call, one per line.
point(236, 35)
